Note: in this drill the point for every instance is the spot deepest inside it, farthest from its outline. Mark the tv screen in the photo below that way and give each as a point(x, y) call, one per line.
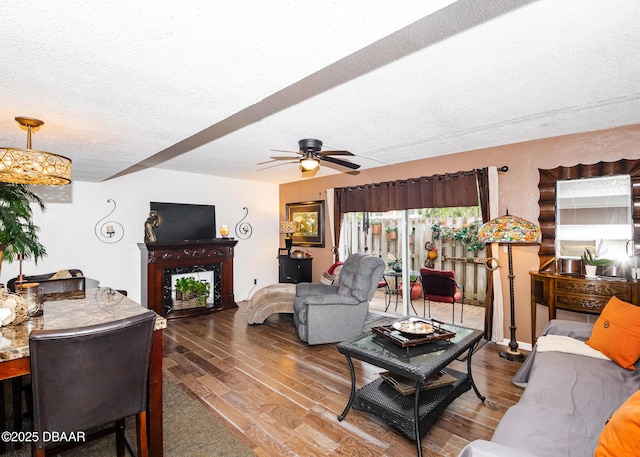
point(184, 222)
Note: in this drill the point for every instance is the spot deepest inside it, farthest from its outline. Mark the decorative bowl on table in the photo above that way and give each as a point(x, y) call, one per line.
point(413, 327)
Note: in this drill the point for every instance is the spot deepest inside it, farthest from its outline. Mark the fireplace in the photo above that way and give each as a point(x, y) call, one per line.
point(164, 262)
point(206, 273)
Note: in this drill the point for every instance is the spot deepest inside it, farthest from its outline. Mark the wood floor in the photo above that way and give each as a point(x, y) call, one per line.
point(281, 396)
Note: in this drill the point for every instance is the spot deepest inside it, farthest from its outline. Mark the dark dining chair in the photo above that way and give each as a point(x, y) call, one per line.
point(86, 378)
point(441, 286)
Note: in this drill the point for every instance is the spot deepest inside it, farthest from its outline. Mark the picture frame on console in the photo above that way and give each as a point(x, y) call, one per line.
point(309, 218)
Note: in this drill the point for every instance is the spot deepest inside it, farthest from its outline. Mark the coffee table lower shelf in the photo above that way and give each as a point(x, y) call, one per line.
point(397, 410)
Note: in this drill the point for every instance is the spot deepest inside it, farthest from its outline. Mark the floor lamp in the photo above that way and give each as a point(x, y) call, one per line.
point(510, 230)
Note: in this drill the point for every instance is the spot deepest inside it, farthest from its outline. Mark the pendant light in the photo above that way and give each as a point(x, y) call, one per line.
point(29, 166)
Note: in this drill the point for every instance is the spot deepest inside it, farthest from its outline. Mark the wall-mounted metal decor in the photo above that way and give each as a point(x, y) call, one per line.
point(244, 229)
point(109, 231)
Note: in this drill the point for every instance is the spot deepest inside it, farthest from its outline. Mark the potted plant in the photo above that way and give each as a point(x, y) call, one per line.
point(376, 227)
point(416, 287)
point(189, 287)
point(394, 263)
point(18, 233)
point(392, 233)
point(592, 261)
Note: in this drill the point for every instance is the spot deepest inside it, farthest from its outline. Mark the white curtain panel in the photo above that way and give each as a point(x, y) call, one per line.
point(331, 203)
point(498, 304)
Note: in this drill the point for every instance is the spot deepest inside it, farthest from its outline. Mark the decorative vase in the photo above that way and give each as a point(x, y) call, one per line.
point(224, 231)
point(590, 271)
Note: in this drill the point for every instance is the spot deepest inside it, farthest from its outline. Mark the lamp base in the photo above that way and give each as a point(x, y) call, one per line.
point(512, 356)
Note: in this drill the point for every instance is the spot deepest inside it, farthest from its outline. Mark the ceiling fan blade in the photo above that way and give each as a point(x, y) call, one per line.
point(283, 150)
point(283, 158)
point(276, 158)
point(344, 163)
point(336, 152)
point(276, 165)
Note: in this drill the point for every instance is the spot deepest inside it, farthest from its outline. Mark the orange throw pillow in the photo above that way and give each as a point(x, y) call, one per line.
point(616, 333)
point(621, 435)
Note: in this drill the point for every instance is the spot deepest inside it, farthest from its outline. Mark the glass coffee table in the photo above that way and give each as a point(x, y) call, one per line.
point(415, 413)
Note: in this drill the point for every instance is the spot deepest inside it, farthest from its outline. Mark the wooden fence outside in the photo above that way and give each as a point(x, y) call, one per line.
point(382, 240)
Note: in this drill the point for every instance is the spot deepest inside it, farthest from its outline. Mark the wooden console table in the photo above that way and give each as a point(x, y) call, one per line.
point(161, 260)
point(577, 293)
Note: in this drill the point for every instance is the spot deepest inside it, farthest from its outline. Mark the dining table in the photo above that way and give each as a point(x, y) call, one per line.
point(94, 306)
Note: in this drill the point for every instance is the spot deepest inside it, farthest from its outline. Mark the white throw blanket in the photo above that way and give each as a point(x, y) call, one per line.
point(561, 343)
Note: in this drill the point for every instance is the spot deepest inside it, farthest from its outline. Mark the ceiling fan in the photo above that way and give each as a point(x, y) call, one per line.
point(311, 155)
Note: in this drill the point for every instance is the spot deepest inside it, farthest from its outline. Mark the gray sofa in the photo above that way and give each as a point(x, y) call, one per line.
point(567, 400)
point(328, 313)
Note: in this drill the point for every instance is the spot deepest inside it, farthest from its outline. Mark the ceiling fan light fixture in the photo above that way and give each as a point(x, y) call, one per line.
point(29, 166)
point(309, 163)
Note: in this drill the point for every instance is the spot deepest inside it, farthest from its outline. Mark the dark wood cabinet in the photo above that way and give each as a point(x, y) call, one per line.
point(162, 260)
point(577, 293)
point(294, 270)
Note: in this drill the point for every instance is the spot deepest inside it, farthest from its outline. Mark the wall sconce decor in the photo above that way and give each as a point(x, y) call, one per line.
point(244, 229)
point(109, 231)
point(28, 166)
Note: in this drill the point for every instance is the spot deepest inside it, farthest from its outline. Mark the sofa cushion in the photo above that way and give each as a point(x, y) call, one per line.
point(616, 333)
point(621, 435)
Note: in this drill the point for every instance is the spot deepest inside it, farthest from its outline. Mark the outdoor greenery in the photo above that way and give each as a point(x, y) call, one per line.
point(468, 235)
point(443, 213)
point(18, 233)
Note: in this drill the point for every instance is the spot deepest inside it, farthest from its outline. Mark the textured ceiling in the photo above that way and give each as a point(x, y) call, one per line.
point(212, 87)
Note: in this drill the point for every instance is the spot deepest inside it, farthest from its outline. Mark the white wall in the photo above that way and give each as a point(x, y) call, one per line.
point(67, 227)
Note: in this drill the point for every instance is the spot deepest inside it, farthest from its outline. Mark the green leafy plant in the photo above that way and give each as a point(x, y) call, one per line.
point(468, 235)
point(588, 258)
point(189, 287)
point(393, 262)
point(18, 233)
point(391, 229)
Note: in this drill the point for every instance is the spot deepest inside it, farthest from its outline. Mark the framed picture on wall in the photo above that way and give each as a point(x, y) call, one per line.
point(309, 219)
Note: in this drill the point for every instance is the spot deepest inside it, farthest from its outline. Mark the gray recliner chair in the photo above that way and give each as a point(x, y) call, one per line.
point(327, 313)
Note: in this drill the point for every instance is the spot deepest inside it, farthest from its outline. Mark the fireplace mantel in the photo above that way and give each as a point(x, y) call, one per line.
point(161, 259)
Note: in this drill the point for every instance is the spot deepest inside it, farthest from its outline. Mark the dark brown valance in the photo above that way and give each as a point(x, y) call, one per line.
point(437, 191)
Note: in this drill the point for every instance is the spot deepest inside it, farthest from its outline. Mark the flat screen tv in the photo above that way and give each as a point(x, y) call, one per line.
point(184, 221)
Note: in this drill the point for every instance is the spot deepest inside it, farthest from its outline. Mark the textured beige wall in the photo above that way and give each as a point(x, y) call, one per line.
point(518, 193)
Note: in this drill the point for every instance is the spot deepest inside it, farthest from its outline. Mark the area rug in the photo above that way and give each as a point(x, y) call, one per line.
point(189, 431)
